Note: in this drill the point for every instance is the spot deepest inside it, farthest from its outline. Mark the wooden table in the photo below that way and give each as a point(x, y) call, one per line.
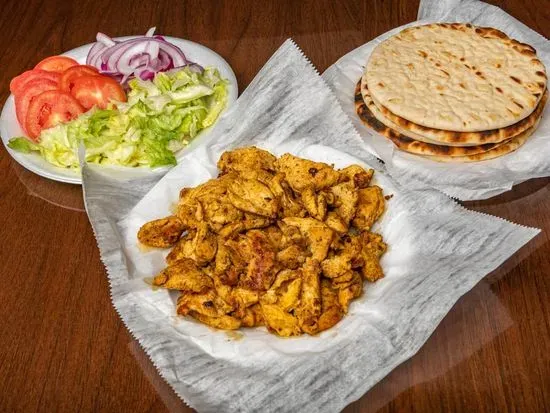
point(62, 345)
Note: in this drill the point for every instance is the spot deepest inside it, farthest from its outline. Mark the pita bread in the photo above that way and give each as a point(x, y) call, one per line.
point(504, 149)
point(406, 143)
point(450, 138)
point(456, 77)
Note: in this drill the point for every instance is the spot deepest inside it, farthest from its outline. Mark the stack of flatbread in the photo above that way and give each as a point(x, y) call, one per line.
point(453, 92)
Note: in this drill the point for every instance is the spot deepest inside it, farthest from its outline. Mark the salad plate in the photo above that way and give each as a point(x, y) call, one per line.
point(10, 128)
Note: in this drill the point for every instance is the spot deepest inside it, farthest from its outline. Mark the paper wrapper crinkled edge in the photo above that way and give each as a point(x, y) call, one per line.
point(387, 332)
point(469, 181)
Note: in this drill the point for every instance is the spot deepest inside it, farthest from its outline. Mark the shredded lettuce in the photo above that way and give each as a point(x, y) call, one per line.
point(160, 117)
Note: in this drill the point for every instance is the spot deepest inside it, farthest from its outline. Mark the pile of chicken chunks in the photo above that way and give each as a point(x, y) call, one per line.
point(281, 242)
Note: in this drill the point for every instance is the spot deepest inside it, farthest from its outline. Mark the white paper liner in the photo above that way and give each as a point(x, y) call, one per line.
point(437, 252)
point(479, 180)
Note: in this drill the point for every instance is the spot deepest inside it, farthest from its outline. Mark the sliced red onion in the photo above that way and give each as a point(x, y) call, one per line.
point(139, 60)
point(195, 67)
point(106, 40)
point(94, 52)
point(152, 49)
point(140, 57)
point(144, 74)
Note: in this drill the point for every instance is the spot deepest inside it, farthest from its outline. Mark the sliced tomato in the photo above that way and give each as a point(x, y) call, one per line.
point(49, 109)
point(56, 63)
point(97, 91)
point(66, 82)
point(30, 90)
point(18, 82)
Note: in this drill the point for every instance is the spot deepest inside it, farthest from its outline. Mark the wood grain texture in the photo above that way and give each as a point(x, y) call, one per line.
point(63, 347)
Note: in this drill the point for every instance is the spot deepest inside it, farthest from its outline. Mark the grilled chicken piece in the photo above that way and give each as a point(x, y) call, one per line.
point(350, 291)
point(357, 175)
point(336, 223)
point(161, 233)
point(302, 173)
point(348, 257)
point(246, 159)
point(251, 195)
point(370, 207)
point(242, 298)
point(314, 203)
point(253, 316)
point(184, 275)
point(289, 205)
point(200, 245)
point(346, 198)
point(279, 321)
point(258, 255)
point(209, 304)
point(309, 310)
point(224, 322)
point(250, 221)
point(285, 291)
point(331, 312)
point(209, 202)
point(318, 235)
point(292, 256)
point(372, 249)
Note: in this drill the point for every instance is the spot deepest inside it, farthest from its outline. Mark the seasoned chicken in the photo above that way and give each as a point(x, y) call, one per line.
point(284, 243)
point(184, 275)
point(190, 213)
point(220, 212)
point(315, 204)
point(285, 291)
point(290, 205)
point(343, 280)
point(279, 321)
point(259, 256)
point(302, 173)
point(331, 312)
point(352, 290)
point(309, 310)
point(250, 221)
point(253, 196)
point(291, 235)
point(275, 236)
point(253, 316)
point(209, 202)
point(345, 202)
point(243, 298)
point(319, 236)
point(292, 256)
point(161, 233)
point(289, 294)
point(336, 223)
point(224, 322)
point(348, 257)
point(357, 175)
point(372, 249)
point(370, 207)
point(208, 303)
point(246, 159)
point(200, 245)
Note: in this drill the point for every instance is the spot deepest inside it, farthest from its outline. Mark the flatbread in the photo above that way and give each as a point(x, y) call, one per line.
point(456, 77)
point(504, 149)
point(406, 143)
point(450, 138)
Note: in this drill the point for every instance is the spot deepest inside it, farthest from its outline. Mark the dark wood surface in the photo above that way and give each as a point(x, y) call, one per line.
point(62, 345)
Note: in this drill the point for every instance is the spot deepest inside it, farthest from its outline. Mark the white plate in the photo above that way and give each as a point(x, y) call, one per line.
point(9, 126)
